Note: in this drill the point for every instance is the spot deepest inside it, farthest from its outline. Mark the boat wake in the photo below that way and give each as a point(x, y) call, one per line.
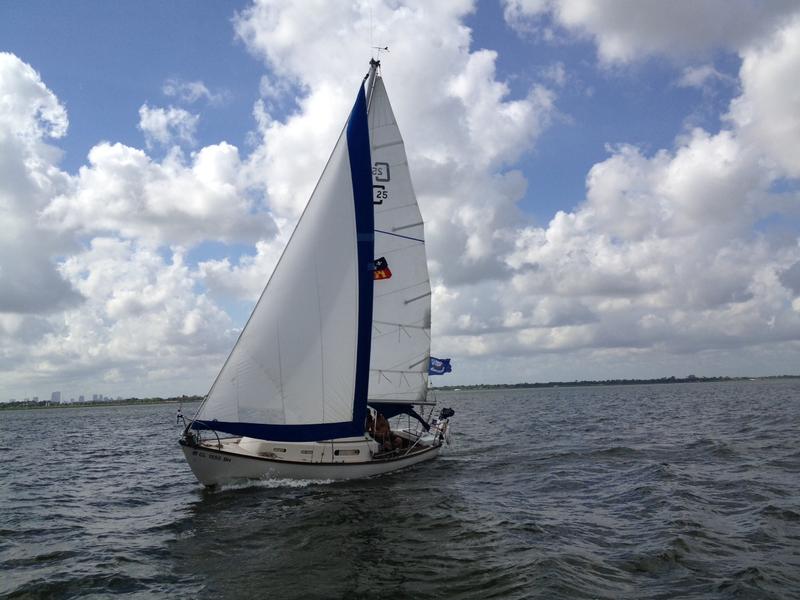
point(269, 484)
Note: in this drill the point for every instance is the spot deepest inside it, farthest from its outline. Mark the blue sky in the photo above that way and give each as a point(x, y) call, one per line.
point(104, 59)
point(622, 196)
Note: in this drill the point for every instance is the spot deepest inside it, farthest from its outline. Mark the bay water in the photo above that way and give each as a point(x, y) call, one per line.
point(646, 491)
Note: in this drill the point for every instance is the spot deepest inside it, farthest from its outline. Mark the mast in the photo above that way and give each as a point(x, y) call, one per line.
point(373, 68)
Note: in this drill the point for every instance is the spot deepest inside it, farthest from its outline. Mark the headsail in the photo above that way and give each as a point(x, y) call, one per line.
point(402, 305)
point(299, 371)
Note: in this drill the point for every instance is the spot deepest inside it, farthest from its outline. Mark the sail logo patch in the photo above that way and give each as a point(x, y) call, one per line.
point(381, 269)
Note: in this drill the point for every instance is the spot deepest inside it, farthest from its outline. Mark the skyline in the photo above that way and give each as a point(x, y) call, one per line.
point(609, 191)
point(59, 398)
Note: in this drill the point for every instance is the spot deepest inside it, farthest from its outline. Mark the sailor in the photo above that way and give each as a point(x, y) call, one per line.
point(370, 427)
point(383, 435)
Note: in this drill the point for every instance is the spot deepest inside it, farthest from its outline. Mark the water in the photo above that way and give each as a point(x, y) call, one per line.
point(689, 491)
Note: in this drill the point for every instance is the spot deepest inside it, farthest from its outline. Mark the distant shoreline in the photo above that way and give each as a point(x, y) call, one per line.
point(605, 382)
point(46, 404)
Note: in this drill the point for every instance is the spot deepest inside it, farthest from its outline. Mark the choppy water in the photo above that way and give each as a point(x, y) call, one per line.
point(689, 491)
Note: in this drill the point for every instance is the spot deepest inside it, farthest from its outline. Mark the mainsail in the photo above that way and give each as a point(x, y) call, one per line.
point(402, 305)
point(299, 370)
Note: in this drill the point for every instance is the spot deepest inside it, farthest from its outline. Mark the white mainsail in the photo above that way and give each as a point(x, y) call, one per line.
point(296, 362)
point(402, 303)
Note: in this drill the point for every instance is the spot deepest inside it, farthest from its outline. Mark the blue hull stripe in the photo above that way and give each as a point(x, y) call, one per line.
point(361, 174)
point(284, 433)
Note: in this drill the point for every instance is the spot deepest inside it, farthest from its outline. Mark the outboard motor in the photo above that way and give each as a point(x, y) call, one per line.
point(440, 424)
point(446, 413)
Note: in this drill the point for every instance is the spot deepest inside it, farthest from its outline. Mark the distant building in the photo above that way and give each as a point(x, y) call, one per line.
point(55, 397)
point(81, 399)
point(36, 398)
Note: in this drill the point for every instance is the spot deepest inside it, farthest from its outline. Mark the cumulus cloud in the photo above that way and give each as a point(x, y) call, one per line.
point(627, 31)
point(662, 257)
point(123, 190)
point(248, 276)
point(768, 112)
point(28, 110)
point(93, 290)
point(142, 325)
point(164, 126)
point(193, 91)
point(702, 76)
point(30, 114)
point(462, 133)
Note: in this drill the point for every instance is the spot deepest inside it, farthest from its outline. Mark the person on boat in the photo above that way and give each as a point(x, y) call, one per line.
point(370, 425)
point(383, 435)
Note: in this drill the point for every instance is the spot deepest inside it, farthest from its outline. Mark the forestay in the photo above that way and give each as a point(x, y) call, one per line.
point(299, 370)
point(402, 302)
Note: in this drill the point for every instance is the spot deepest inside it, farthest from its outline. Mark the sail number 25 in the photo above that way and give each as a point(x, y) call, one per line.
point(380, 172)
point(381, 193)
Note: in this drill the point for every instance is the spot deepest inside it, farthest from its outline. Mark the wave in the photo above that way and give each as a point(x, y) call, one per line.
point(784, 514)
point(268, 484)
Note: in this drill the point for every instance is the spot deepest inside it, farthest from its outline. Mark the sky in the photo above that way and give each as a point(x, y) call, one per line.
point(611, 189)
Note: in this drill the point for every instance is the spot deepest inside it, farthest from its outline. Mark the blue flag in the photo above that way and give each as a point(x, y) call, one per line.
point(439, 366)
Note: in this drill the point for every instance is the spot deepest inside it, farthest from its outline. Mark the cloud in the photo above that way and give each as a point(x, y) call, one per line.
point(462, 134)
point(249, 276)
point(142, 326)
point(668, 254)
point(661, 257)
point(628, 31)
point(790, 278)
point(702, 76)
point(768, 112)
point(193, 91)
point(175, 201)
point(28, 110)
point(164, 126)
point(29, 176)
point(94, 285)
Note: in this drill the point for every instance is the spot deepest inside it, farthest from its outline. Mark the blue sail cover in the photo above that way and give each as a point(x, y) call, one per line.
point(290, 376)
point(389, 410)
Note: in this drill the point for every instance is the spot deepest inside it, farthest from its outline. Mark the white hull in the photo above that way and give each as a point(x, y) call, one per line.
point(213, 465)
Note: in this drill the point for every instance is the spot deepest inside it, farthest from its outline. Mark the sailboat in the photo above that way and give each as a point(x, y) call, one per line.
point(338, 344)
